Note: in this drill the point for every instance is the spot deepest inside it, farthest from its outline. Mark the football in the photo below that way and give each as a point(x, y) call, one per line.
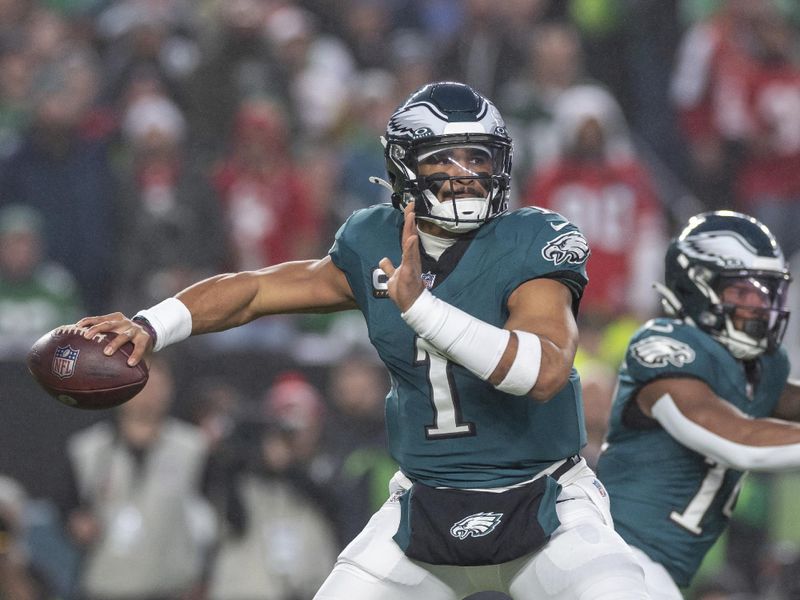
point(74, 370)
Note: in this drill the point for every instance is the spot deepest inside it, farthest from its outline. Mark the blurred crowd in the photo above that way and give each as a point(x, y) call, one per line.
point(145, 144)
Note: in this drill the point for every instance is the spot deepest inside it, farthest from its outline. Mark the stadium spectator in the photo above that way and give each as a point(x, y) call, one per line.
point(137, 508)
point(166, 203)
point(16, 74)
point(768, 175)
point(237, 62)
point(356, 390)
point(412, 60)
point(711, 61)
point(144, 37)
point(17, 580)
point(365, 28)
point(598, 183)
point(318, 69)
point(554, 64)
point(63, 170)
point(482, 53)
point(278, 542)
point(36, 294)
point(374, 97)
point(268, 212)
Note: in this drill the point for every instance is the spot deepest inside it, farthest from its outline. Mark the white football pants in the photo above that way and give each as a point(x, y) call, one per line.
point(584, 560)
point(659, 582)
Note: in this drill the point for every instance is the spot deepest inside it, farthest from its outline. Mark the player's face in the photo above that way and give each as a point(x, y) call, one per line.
point(464, 172)
point(751, 298)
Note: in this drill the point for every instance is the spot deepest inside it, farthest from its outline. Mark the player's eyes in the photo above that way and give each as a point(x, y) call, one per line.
point(437, 159)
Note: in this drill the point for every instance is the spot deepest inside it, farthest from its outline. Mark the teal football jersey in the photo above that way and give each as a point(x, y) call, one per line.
point(666, 499)
point(447, 427)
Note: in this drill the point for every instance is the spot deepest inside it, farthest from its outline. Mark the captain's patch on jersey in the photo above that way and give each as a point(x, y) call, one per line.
point(569, 247)
point(380, 285)
point(477, 525)
point(660, 351)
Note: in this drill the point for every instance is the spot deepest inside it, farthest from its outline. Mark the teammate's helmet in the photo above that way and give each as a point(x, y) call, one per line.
point(715, 254)
point(437, 117)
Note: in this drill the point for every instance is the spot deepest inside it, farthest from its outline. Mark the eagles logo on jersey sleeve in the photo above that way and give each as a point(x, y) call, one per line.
point(659, 351)
point(545, 244)
point(667, 347)
point(569, 247)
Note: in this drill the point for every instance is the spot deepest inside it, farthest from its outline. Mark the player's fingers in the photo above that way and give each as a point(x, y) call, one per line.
point(410, 222)
point(95, 320)
point(115, 322)
point(141, 345)
point(386, 266)
point(136, 336)
point(411, 256)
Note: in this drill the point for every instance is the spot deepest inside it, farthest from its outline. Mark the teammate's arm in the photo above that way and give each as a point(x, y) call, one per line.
point(531, 355)
point(690, 411)
point(789, 403)
point(229, 300)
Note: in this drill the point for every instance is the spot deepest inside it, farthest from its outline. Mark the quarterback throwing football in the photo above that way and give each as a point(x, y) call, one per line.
point(472, 309)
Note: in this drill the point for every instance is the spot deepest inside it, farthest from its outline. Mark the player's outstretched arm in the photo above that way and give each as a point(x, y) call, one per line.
point(229, 300)
point(693, 414)
point(226, 301)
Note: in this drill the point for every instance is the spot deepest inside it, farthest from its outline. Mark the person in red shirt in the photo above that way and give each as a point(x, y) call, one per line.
point(712, 61)
point(270, 216)
point(598, 184)
point(768, 178)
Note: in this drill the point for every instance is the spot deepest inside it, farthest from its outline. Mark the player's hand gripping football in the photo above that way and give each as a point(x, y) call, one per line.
point(405, 281)
point(129, 331)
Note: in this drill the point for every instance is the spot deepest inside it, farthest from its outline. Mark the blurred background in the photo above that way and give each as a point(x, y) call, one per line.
point(145, 144)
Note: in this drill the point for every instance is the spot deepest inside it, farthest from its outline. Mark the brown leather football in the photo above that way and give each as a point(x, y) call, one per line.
point(74, 370)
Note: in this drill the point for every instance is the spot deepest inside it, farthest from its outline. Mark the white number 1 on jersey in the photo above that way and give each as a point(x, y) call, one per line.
point(446, 410)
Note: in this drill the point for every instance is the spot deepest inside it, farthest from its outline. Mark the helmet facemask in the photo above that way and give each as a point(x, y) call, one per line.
point(751, 312)
point(458, 186)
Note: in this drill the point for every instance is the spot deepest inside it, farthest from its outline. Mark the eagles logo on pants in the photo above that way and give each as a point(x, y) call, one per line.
point(585, 558)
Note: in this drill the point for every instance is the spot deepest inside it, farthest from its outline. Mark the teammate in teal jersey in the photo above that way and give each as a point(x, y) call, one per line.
point(472, 309)
point(695, 392)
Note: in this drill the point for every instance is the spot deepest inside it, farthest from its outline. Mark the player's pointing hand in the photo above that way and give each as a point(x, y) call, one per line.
point(405, 282)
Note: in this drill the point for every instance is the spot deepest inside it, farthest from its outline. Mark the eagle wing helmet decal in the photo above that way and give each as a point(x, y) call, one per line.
point(727, 249)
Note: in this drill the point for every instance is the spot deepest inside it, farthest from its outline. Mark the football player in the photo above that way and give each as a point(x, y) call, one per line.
point(472, 309)
point(700, 396)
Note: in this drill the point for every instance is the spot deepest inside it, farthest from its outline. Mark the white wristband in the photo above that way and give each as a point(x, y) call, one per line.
point(171, 321)
point(472, 343)
point(524, 371)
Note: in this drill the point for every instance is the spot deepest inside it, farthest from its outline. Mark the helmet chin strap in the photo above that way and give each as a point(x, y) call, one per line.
point(449, 214)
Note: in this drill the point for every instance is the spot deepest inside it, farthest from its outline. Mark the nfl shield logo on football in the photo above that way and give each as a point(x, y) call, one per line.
point(64, 360)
